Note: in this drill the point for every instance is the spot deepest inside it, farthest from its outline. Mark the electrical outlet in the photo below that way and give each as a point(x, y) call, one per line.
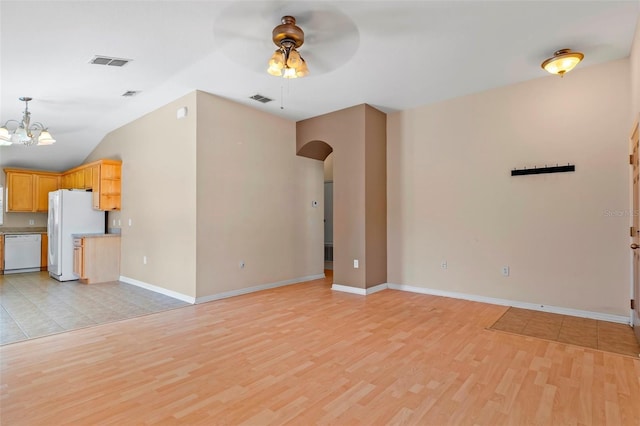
point(356, 264)
point(443, 264)
point(144, 260)
point(32, 222)
point(505, 271)
point(130, 222)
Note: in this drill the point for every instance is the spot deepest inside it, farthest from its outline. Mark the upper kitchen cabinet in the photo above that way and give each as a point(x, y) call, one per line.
point(106, 183)
point(45, 184)
point(28, 190)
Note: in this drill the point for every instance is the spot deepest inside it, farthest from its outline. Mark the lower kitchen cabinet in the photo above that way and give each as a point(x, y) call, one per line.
point(44, 252)
point(96, 258)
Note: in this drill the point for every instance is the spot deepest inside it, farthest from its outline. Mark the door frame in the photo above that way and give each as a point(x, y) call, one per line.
point(634, 295)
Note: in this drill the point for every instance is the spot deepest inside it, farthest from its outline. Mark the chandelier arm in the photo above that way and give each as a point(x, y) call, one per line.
point(37, 126)
point(11, 121)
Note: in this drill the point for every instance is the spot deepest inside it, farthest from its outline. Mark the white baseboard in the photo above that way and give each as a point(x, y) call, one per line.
point(357, 290)
point(246, 290)
point(514, 303)
point(161, 290)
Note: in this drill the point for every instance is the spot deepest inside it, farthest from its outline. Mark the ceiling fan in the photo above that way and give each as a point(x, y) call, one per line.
point(244, 32)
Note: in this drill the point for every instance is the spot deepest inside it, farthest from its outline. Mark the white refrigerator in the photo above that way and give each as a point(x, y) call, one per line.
point(70, 212)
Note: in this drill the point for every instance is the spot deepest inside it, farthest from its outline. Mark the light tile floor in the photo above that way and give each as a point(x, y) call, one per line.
point(34, 305)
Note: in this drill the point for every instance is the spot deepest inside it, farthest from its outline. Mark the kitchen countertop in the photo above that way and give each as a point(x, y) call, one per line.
point(96, 235)
point(25, 230)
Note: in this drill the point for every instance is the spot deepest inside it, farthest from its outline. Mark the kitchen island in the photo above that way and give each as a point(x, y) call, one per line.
point(96, 257)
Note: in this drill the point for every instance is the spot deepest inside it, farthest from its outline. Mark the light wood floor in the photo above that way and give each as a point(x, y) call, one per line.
point(303, 354)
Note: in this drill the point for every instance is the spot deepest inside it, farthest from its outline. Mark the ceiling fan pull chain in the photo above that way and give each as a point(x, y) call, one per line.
point(281, 96)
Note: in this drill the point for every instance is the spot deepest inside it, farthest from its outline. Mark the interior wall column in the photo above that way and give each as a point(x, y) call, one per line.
point(358, 137)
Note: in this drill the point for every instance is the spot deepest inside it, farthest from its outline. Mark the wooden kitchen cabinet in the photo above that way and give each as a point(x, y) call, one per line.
point(107, 185)
point(20, 190)
point(44, 252)
point(96, 259)
point(44, 185)
point(28, 190)
point(88, 177)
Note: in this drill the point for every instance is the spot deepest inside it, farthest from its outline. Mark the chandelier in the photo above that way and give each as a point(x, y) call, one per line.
point(563, 61)
point(286, 61)
point(25, 132)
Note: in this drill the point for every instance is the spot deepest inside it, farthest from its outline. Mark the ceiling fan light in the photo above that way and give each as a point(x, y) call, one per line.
point(294, 59)
point(276, 63)
point(277, 59)
point(302, 70)
point(45, 138)
point(289, 73)
point(562, 62)
point(275, 71)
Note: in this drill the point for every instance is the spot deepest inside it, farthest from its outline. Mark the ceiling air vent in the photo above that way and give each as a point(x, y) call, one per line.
point(260, 98)
point(107, 60)
point(130, 93)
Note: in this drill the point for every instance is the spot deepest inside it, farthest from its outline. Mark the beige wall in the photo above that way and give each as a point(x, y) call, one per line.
point(328, 168)
point(635, 74)
point(564, 236)
point(376, 195)
point(356, 135)
point(344, 131)
point(254, 200)
point(158, 155)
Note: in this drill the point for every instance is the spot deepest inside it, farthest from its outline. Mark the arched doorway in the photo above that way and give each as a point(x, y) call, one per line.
point(322, 151)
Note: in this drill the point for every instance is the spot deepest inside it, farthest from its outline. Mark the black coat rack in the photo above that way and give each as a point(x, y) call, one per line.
point(545, 169)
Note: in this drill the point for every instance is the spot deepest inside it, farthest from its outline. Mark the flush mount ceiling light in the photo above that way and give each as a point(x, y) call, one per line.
point(25, 133)
point(563, 61)
point(286, 61)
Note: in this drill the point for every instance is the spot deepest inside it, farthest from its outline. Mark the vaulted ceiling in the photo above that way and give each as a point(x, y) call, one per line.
point(393, 55)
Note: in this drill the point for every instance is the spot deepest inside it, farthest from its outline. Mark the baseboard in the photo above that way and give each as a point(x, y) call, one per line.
point(514, 303)
point(356, 290)
point(161, 290)
point(253, 289)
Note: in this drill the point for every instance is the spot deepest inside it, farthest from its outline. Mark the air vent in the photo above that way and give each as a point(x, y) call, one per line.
point(130, 93)
point(106, 60)
point(260, 98)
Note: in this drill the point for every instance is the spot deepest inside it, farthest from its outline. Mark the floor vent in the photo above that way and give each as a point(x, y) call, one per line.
point(106, 60)
point(260, 98)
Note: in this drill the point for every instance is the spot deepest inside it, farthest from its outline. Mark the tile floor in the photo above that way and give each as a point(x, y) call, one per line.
point(34, 305)
point(603, 335)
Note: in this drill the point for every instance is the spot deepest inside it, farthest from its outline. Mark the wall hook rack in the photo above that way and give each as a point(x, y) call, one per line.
point(545, 169)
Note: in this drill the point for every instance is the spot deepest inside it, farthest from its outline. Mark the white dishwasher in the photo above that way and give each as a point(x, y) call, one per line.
point(21, 253)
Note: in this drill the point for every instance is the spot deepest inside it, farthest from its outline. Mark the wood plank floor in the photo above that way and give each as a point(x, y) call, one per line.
point(603, 335)
point(303, 354)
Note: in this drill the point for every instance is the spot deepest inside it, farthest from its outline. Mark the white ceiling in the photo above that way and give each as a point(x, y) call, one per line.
point(393, 55)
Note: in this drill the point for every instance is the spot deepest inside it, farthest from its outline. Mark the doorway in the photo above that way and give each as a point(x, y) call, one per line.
point(328, 212)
